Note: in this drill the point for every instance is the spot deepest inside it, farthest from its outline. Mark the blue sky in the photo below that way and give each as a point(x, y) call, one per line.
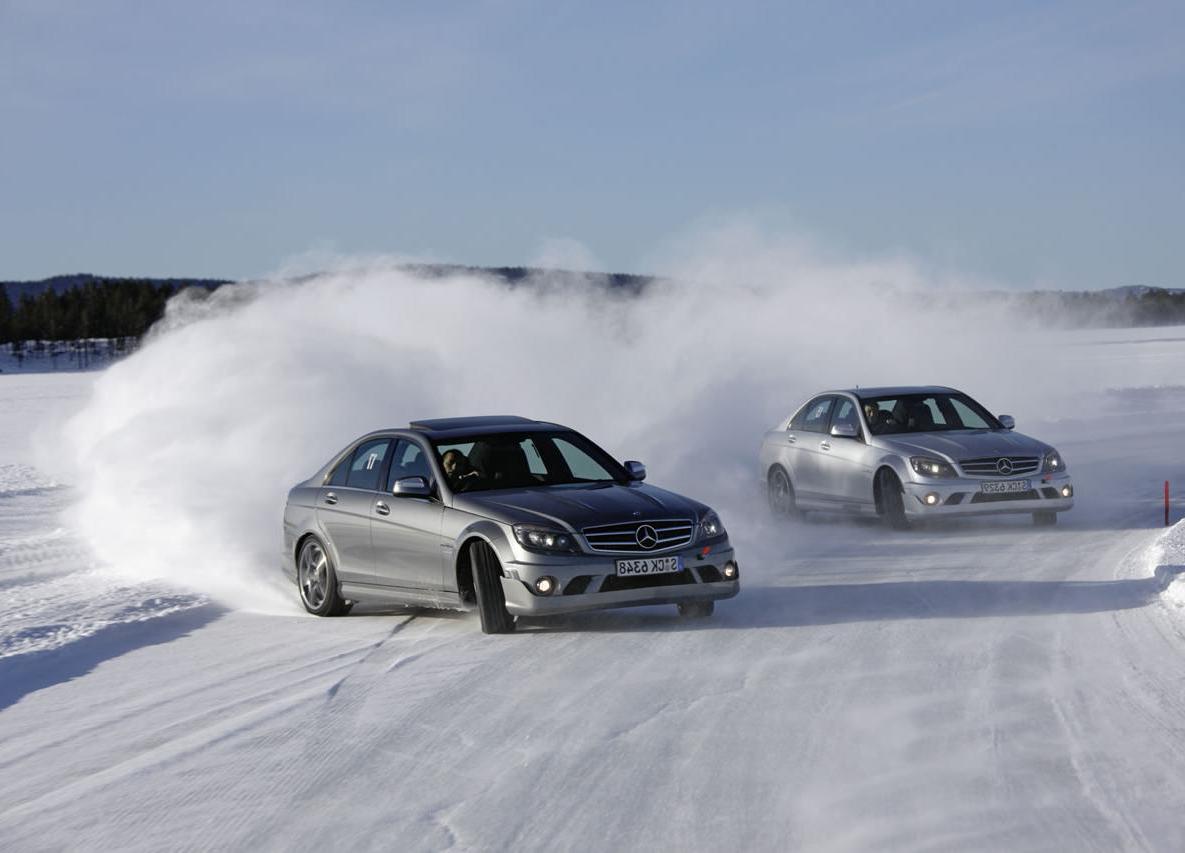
point(1030, 144)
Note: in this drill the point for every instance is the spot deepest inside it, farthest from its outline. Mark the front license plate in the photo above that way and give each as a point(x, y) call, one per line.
point(999, 486)
point(649, 566)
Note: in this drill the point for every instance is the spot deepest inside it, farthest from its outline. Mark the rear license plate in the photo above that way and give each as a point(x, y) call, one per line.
point(649, 566)
point(1000, 486)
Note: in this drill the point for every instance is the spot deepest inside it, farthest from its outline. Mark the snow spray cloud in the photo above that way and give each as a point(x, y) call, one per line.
point(187, 448)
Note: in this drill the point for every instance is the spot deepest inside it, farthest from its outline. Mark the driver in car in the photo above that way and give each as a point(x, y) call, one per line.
point(457, 468)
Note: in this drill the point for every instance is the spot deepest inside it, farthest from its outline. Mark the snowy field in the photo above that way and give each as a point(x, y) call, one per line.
point(979, 685)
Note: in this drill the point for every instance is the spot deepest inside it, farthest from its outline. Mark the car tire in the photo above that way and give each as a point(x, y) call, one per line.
point(1044, 519)
point(893, 501)
point(696, 609)
point(487, 586)
point(317, 580)
point(780, 494)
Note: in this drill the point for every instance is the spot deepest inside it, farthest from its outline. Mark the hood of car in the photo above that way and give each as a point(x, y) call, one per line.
point(965, 444)
point(580, 505)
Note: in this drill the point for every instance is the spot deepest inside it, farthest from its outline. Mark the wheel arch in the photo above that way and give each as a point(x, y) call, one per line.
point(481, 531)
point(303, 538)
point(883, 467)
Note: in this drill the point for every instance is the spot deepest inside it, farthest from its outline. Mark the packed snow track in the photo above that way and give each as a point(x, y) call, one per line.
point(979, 685)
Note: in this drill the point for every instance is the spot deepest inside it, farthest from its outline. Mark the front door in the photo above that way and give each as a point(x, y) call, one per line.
point(848, 461)
point(405, 530)
point(810, 433)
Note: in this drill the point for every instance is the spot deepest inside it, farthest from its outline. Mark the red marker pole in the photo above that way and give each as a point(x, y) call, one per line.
point(1166, 503)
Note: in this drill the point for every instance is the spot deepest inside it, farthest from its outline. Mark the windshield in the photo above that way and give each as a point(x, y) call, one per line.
point(525, 460)
point(908, 413)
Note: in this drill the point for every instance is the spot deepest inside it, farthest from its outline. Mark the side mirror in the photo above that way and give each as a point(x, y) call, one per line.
point(636, 470)
point(845, 431)
point(411, 487)
point(1007, 421)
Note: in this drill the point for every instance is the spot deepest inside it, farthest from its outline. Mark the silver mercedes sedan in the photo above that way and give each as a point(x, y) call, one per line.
point(909, 454)
point(513, 516)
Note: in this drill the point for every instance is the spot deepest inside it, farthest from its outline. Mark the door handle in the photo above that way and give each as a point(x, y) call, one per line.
point(381, 508)
point(330, 498)
point(791, 439)
point(824, 445)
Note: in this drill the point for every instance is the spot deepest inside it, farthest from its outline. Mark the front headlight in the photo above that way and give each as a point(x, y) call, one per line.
point(928, 466)
point(548, 540)
point(710, 526)
point(1053, 463)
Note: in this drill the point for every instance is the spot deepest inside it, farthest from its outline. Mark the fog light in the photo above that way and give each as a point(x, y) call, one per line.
point(1067, 491)
point(730, 571)
point(931, 499)
point(545, 585)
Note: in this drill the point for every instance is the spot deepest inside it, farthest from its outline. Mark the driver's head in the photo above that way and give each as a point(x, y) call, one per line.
point(455, 464)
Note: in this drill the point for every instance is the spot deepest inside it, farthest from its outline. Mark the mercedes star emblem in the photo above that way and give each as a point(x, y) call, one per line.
point(1004, 466)
point(647, 536)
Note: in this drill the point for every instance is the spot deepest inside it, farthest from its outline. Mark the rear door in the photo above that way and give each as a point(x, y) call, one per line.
point(345, 505)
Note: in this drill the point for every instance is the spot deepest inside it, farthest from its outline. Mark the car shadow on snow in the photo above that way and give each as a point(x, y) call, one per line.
point(834, 604)
point(27, 673)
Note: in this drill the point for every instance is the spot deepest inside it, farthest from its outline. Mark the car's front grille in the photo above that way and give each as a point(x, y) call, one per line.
point(1000, 466)
point(615, 583)
point(633, 537)
point(997, 497)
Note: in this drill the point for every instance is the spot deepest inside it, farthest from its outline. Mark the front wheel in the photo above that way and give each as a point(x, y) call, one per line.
point(1045, 519)
point(318, 581)
point(487, 585)
point(696, 609)
point(893, 501)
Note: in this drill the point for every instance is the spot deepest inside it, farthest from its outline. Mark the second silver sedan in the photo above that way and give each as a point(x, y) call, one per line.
point(910, 453)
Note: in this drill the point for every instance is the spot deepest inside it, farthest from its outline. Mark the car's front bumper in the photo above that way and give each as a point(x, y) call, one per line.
point(965, 496)
point(590, 582)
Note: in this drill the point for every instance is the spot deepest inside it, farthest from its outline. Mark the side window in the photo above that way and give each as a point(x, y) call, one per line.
point(814, 416)
point(846, 413)
point(367, 467)
point(338, 477)
point(408, 460)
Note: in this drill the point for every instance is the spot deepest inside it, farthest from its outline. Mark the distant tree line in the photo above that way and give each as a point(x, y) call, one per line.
point(114, 309)
point(1100, 309)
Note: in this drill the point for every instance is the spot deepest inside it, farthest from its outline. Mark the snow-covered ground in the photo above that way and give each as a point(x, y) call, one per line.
point(982, 685)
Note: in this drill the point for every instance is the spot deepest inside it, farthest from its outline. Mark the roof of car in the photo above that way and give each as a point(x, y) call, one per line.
point(443, 427)
point(894, 390)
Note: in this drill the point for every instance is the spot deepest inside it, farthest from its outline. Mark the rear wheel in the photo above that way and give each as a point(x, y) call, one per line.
point(318, 581)
point(893, 501)
point(780, 492)
point(696, 609)
point(1045, 519)
point(487, 586)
